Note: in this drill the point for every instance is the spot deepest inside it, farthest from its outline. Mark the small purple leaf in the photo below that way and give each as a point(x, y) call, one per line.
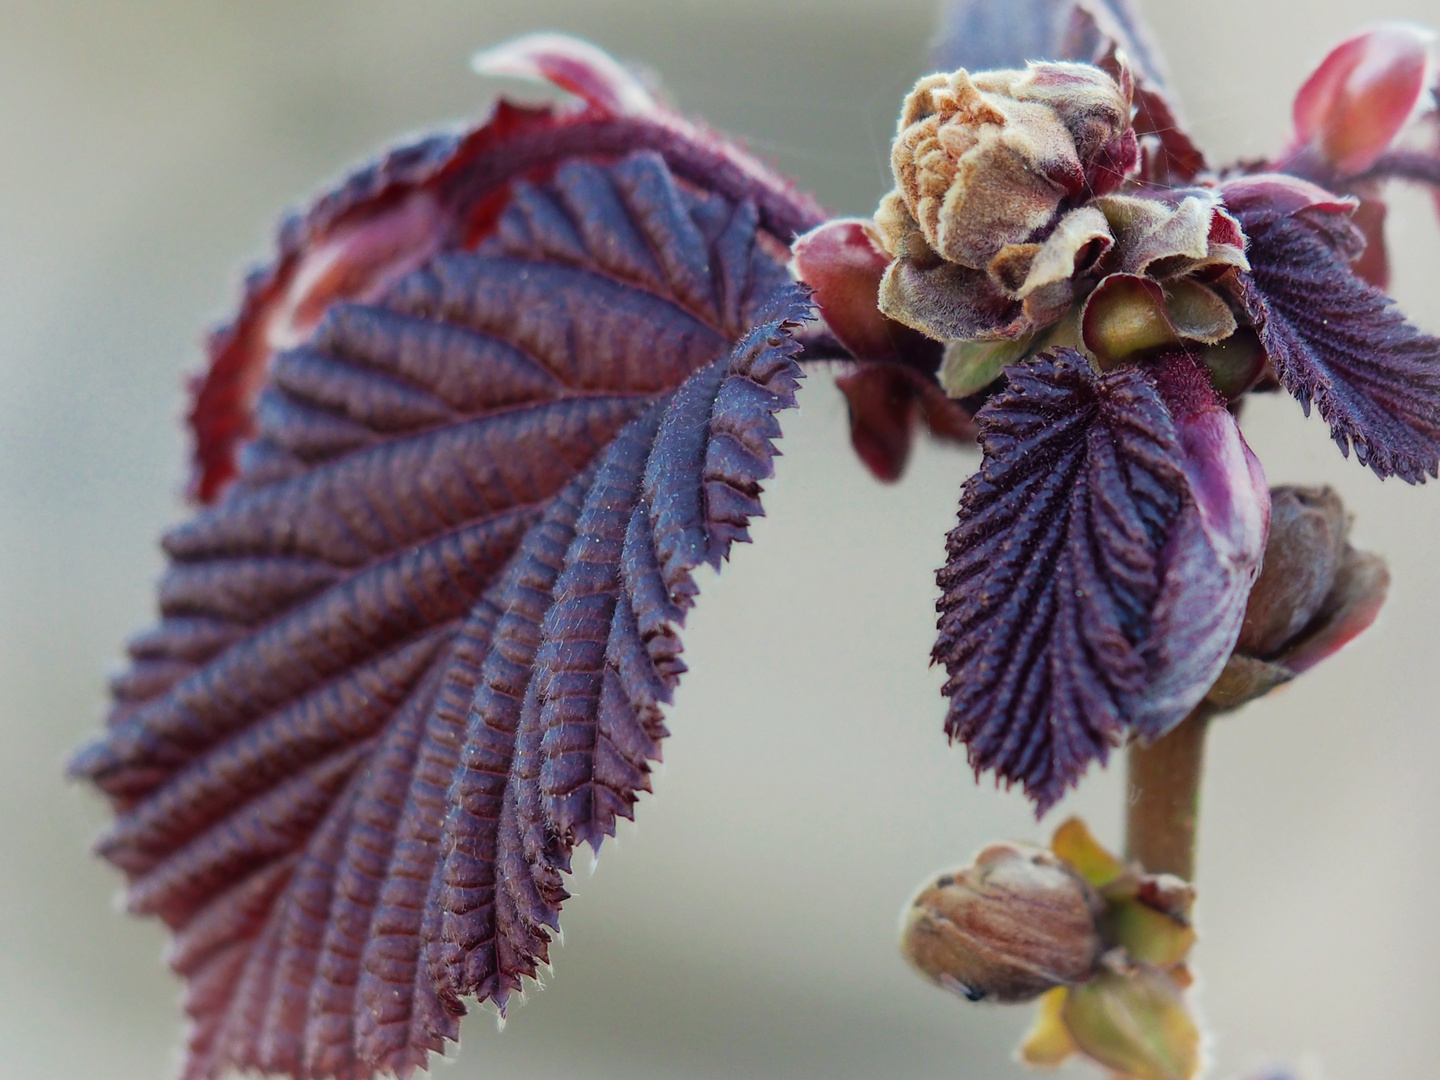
point(1075, 561)
point(1341, 344)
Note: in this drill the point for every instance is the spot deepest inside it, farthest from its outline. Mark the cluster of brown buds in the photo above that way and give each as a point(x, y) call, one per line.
point(1103, 945)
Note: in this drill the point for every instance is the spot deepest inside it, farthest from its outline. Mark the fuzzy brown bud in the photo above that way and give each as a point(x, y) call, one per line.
point(1314, 594)
point(986, 160)
point(1016, 923)
point(985, 226)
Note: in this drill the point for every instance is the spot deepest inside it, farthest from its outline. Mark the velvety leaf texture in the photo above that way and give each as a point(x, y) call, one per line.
point(1341, 344)
point(417, 650)
point(1056, 569)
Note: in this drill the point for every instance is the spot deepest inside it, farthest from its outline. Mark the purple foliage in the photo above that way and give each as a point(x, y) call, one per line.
point(417, 651)
point(1080, 551)
point(1341, 344)
point(500, 393)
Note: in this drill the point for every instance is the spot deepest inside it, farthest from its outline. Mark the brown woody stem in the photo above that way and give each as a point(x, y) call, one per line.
point(1163, 797)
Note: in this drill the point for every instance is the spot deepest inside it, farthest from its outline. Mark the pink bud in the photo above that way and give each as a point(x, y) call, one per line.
point(1361, 95)
point(842, 261)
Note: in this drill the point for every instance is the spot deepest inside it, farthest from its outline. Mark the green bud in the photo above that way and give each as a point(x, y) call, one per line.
point(1125, 319)
point(1135, 1023)
point(1235, 364)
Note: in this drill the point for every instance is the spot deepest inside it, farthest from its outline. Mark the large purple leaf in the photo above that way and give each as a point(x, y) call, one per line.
point(417, 650)
point(446, 191)
point(1341, 344)
point(1097, 577)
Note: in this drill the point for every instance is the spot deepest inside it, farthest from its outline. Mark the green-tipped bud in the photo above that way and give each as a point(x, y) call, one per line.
point(1135, 1023)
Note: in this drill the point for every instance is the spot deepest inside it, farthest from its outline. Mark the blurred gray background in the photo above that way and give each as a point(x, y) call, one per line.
point(746, 926)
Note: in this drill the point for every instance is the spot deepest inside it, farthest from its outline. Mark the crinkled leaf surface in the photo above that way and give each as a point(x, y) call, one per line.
point(445, 191)
point(1055, 589)
point(1341, 344)
point(417, 649)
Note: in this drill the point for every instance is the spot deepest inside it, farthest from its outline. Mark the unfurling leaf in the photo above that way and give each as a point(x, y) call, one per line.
point(417, 651)
point(1341, 344)
point(1097, 577)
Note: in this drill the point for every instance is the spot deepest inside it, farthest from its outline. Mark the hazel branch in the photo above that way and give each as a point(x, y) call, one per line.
point(1163, 797)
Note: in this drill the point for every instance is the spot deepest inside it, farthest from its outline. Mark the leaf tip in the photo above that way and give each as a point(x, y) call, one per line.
point(572, 65)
